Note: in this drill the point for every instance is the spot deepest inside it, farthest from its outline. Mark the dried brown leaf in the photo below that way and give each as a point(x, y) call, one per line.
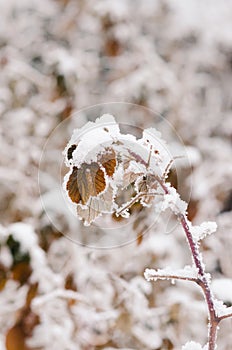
point(85, 182)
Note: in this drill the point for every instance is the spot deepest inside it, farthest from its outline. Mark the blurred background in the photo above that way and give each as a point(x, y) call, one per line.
point(56, 58)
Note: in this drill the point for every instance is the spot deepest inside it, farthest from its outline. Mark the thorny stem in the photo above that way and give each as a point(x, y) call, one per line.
point(202, 280)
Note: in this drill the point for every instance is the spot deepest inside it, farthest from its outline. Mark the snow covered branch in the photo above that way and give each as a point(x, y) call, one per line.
point(188, 273)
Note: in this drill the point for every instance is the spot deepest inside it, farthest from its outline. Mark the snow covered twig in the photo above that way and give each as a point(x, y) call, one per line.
point(186, 274)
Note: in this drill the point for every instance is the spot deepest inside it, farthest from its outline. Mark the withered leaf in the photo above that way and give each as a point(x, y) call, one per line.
point(108, 161)
point(72, 186)
point(96, 206)
point(130, 178)
point(85, 182)
point(147, 184)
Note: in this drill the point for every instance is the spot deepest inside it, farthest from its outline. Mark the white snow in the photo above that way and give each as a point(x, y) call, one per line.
point(191, 345)
point(25, 234)
point(93, 138)
point(205, 229)
point(222, 288)
point(188, 272)
point(172, 200)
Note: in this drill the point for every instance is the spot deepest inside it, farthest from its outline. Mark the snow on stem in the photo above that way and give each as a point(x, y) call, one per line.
point(202, 279)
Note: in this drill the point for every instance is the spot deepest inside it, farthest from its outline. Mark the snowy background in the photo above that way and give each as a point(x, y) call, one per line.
point(57, 57)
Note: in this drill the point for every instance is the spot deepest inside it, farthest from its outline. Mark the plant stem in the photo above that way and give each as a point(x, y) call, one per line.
point(203, 283)
point(202, 279)
point(225, 316)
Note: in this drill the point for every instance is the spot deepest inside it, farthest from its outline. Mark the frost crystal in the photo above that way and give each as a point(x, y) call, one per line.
point(205, 229)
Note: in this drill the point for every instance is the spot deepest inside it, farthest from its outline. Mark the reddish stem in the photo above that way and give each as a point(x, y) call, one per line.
point(225, 316)
point(203, 283)
point(202, 280)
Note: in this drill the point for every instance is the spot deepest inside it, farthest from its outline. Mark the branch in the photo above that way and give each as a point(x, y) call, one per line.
point(186, 274)
point(202, 277)
point(135, 199)
point(222, 317)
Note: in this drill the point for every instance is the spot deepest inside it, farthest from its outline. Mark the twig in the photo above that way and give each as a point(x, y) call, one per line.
point(225, 316)
point(135, 199)
point(155, 276)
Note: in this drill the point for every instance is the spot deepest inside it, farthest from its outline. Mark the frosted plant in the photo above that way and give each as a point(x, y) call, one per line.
point(103, 163)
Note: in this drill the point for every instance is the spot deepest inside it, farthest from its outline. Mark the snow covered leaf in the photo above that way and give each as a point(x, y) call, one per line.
point(147, 184)
point(96, 206)
point(107, 168)
point(108, 161)
point(89, 180)
point(88, 142)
